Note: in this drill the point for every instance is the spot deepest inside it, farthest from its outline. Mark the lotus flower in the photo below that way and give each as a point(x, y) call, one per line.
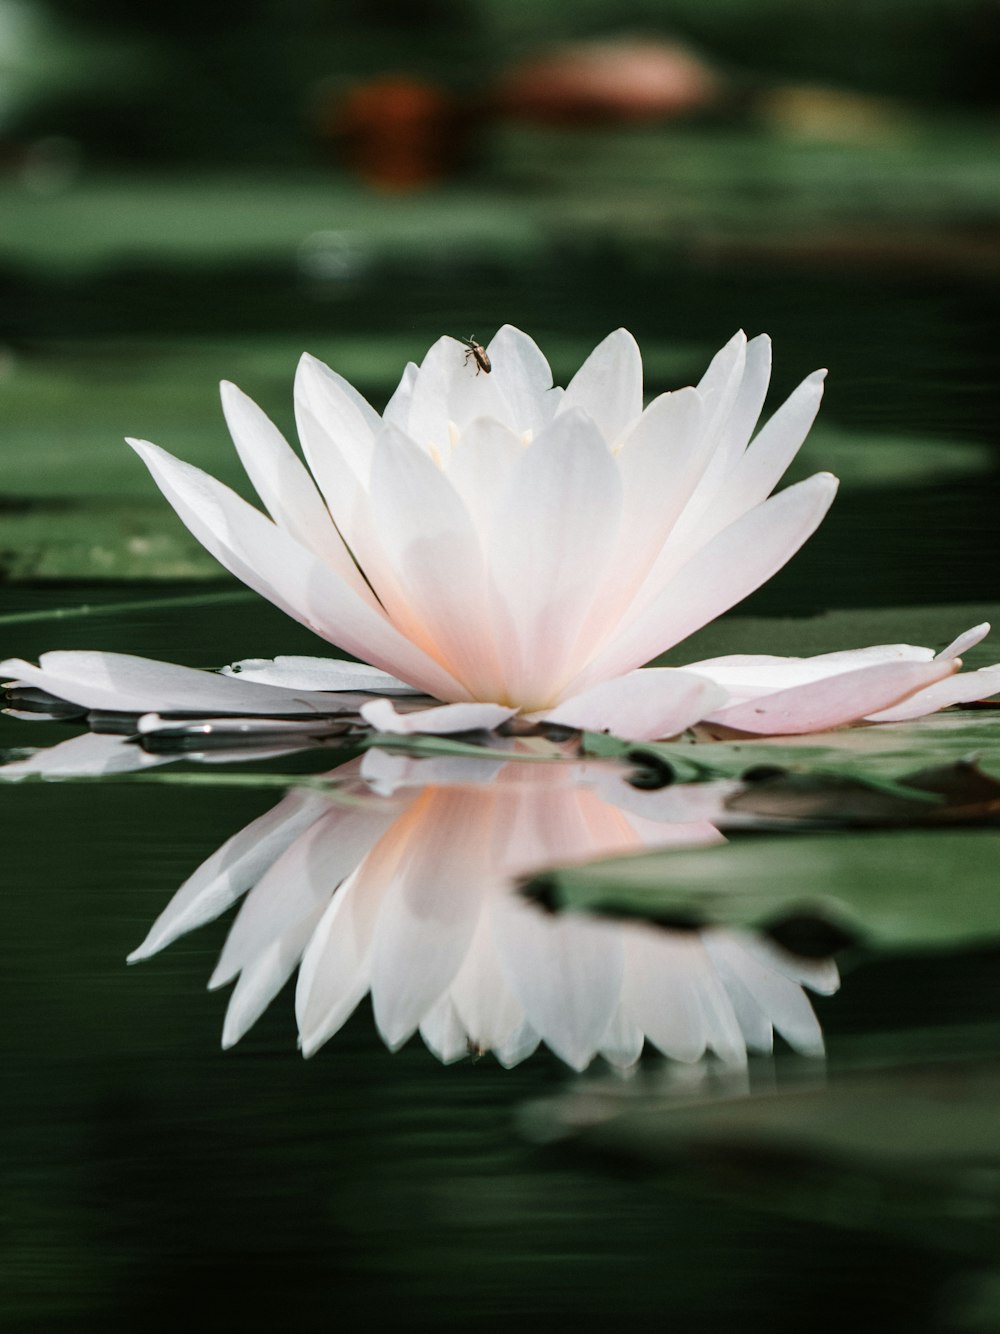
point(405, 891)
point(509, 547)
point(506, 547)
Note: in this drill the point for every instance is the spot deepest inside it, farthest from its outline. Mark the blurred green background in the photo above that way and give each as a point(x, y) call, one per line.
point(197, 191)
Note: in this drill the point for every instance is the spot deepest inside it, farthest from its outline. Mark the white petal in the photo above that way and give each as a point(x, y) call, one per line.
point(340, 609)
point(258, 985)
point(608, 386)
point(300, 673)
point(967, 688)
point(448, 390)
point(643, 705)
point(969, 639)
point(299, 883)
point(443, 1032)
point(88, 756)
point(732, 566)
point(347, 420)
point(480, 469)
point(523, 376)
point(230, 871)
point(836, 700)
point(382, 715)
point(125, 684)
point(752, 476)
point(567, 974)
point(280, 479)
point(397, 410)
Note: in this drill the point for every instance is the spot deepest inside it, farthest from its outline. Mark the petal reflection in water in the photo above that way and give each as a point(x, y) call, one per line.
point(401, 884)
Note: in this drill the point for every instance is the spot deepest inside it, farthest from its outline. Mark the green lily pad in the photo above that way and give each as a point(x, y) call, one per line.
point(897, 891)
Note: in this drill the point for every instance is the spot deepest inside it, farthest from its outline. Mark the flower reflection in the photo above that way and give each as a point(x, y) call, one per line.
point(400, 883)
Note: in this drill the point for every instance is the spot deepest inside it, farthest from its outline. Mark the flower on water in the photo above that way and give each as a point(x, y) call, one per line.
point(405, 892)
point(505, 547)
point(511, 547)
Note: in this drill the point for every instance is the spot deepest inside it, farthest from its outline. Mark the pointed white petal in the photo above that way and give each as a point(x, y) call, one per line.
point(397, 410)
point(382, 715)
point(230, 871)
point(732, 566)
point(299, 883)
point(339, 608)
point(522, 374)
point(348, 421)
point(608, 386)
point(965, 641)
point(566, 973)
point(280, 479)
point(644, 705)
point(443, 1032)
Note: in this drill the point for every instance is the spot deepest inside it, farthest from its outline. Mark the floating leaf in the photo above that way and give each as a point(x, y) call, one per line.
point(914, 889)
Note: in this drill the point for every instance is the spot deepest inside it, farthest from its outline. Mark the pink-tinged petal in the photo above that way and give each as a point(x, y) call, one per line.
point(429, 913)
point(965, 641)
point(300, 673)
point(348, 423)
point(126, 684)
point(435, 553)
point(523, 376)
point(336, 605)
point(230, 871)
point(965, 689)
point(834, 701)
point(397, 410)
point(732, 566)
point(608, 386)
point(554, 532)
point(382, 715)
point(746, 676)
point(644, 705)
point(280, 479)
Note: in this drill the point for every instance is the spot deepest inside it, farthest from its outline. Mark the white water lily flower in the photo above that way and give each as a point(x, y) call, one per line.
point(405, 892)
point(510, 547)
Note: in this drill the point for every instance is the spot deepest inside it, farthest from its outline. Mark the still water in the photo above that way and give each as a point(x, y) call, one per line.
point(156, 1182)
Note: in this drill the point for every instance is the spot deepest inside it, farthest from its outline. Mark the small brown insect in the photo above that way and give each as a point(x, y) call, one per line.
point(477, 350)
